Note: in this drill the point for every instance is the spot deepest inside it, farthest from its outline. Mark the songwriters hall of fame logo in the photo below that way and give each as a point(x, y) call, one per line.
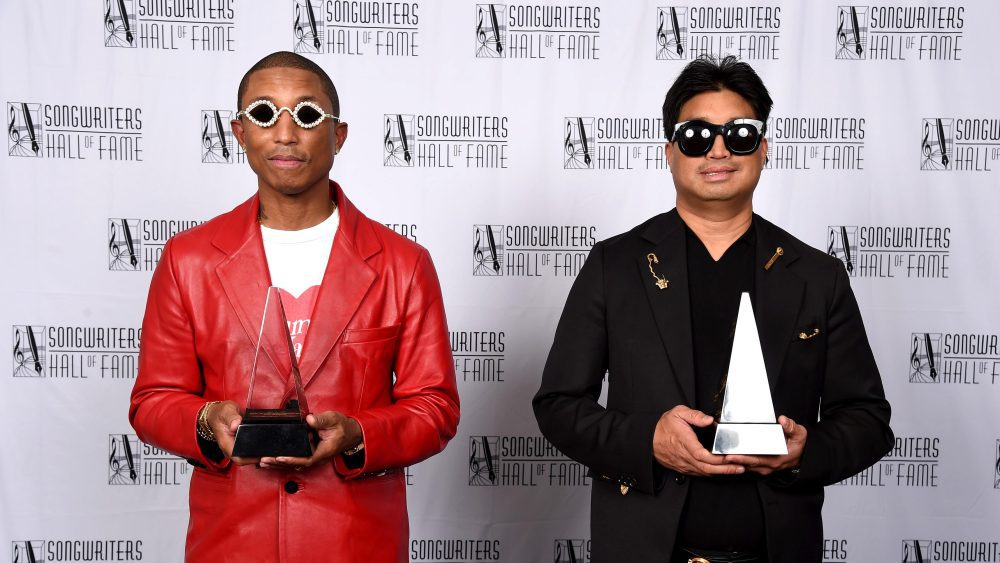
point(571, 551)
point(217, 145)
point(487, 250)
point(124, 459)
point(842, 243)
point(307, 27)
point(29, 351)
point(24, 129)
point(996, 466)
point(578, 143)
point(671, 33)
point(119, 23)
point(925, 357)
point(124, 248)
point(398, 141)
point(484, 461)
point(131, 462)
point(852, 32)
point(28, 551)
point(491, 31)
point(916, 551)
point(937, 144)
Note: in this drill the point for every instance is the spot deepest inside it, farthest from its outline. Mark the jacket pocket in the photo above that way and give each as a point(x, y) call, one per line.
point(355, 335)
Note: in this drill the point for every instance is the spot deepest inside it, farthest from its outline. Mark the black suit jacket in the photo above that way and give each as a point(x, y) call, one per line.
point(616, 321)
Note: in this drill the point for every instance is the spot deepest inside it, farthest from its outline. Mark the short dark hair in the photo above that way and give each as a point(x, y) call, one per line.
point(288, 59)
point(708, 74)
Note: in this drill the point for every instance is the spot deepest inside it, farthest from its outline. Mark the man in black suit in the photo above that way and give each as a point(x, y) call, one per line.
point(655, 307)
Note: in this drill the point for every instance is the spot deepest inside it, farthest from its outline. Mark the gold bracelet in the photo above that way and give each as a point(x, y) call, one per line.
point(204, 428)
point(354, 450)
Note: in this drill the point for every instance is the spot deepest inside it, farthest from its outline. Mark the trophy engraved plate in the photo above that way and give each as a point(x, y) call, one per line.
point(274, 420)
point(747, 424)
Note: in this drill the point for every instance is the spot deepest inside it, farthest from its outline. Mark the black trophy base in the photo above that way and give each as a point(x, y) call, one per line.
point(272, 433)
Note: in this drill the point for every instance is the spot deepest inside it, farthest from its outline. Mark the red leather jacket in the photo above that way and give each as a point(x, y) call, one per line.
point(379, 312)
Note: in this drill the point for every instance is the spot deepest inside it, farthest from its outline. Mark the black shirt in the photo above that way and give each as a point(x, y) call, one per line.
point(722, 512)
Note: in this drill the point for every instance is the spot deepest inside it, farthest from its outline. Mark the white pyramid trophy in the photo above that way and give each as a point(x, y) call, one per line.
point(747, 424)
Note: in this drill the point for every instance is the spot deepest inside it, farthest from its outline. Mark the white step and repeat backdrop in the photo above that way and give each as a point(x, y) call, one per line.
point(506, 138)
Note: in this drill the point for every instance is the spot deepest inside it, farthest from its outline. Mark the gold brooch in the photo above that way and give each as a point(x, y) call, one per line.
point(661, 282)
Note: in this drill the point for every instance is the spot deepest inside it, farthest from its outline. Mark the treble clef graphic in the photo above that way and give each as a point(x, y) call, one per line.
point(996, 477)
point(915, 356)
point(583, 141)
point(941, 143)
point(389, 145)
point(11, 129)
point(31, 127)
point(925, 145)
point(113, 462)
point(297, 23)
point(568, 144)
point(661, 36)
point(477, 250)
point(558, 559)
point(480, 33)
point(18, 354)
point(205, 138)
point(677, 30)
point(108, 22)
point(474, 458)
point(113, 247)
point(222, 136)
point(847, 249)
point(929, 348)
point(831, 247)
point(841, 36)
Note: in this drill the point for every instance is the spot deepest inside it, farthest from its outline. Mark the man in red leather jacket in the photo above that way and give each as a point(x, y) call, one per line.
point(375, 361)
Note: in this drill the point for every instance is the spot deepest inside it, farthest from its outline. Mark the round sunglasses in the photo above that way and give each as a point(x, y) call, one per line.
point(696, 137)
point(263, 113)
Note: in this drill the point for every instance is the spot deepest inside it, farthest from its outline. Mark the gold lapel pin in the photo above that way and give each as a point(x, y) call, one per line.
point(661, 282)
point(808, 335)
point(777, 254)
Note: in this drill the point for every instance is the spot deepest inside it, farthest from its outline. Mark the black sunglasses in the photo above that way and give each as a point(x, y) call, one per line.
point(696, 137)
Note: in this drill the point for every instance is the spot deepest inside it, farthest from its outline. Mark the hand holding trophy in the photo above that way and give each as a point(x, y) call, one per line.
point(274, 427)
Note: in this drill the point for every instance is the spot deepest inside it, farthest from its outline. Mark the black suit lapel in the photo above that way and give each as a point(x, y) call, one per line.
point(671, 306)
point(778, 296)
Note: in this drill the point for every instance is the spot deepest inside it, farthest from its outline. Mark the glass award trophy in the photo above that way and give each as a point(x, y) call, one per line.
point(747, 425)
point(274, 421)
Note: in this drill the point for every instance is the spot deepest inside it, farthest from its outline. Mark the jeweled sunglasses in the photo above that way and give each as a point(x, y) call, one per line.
point(263, 113)
point(696, 137)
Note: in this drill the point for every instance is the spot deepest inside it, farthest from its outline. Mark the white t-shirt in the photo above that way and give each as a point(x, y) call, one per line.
point(297, 261)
